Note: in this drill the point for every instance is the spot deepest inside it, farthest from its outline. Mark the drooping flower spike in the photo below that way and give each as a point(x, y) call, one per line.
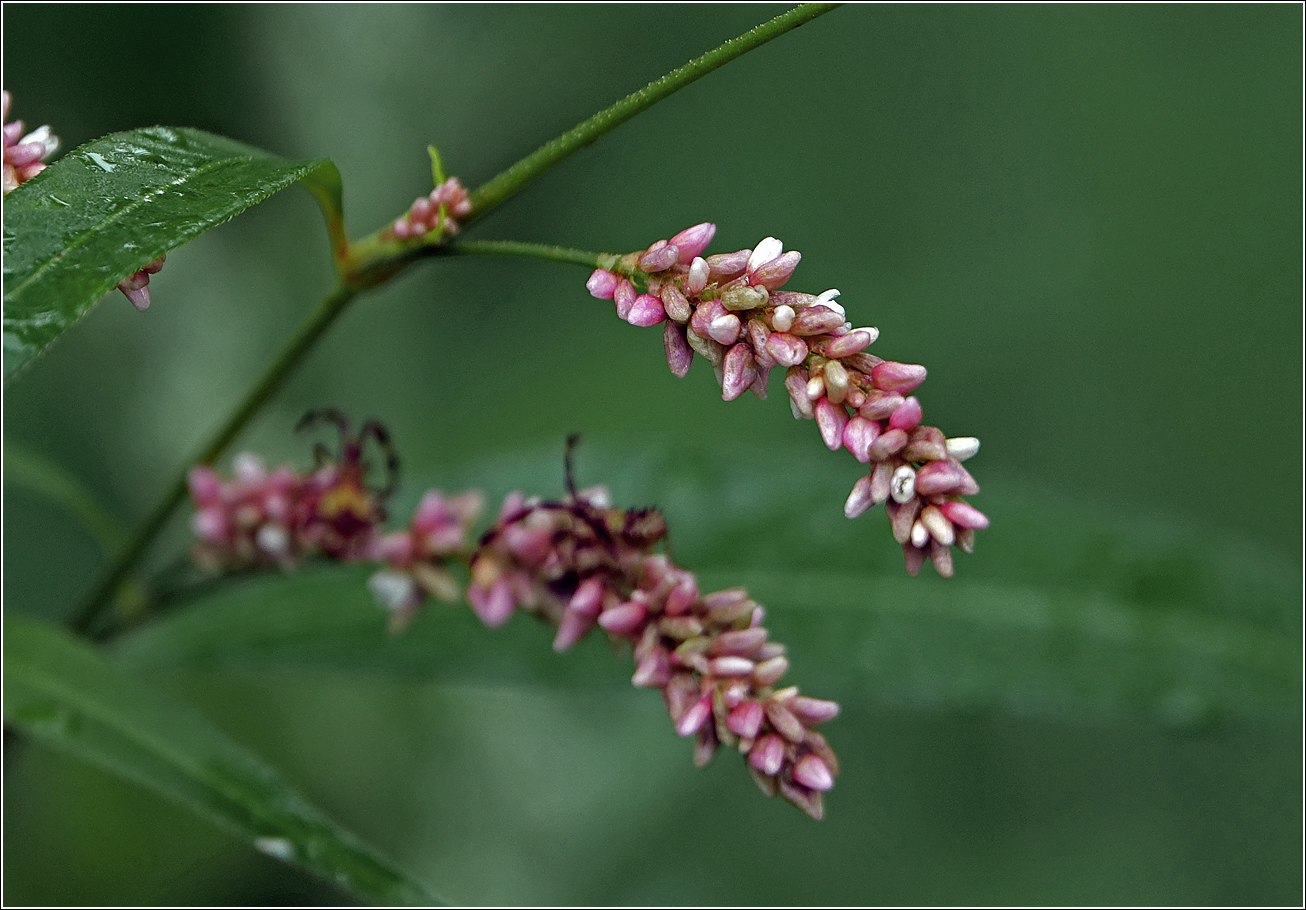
point(583, 565)
point(729, 308)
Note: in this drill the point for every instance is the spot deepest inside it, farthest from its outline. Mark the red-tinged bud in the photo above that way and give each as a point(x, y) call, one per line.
point(816, 320)
point(624, 296)
point(901, 518)
point(745, 720)
point(888, 444)
point(858, 437)
point(659, 257)
point(907, 415)
point(654, 670)
point(809, 801)
point(965, 515)
point(677, 307)
point(623, 619)
point(494, 606)
point(692, 241)
point(945, 477)
point(812, 773)
point(602, 284)
point(705, 746)
point(727, 265)
point(796, 386)
point(898, 377)
point(646, 311)
point(695, 717)
point(740, 371)
point(881, 481)
point(914, 558)
point(788, 350)
point(879, 405)
point(775, 273)
point(680, 356)
point(925, 444)
point(855, 341)
point(859, 500)
point(571, 628)
point(768, 754)
point(588, 598)
point(812, 711)
point(830, 420)
point(739, 641)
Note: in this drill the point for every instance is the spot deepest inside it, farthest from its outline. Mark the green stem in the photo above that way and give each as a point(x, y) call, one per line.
point(299, 344)
point(522, 250)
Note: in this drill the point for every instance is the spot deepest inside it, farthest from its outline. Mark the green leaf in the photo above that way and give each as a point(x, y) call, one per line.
point(26, 469)
point(111, 206)
point(61, 690)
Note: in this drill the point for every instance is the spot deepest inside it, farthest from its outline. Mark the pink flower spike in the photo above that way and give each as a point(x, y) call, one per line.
point(965, 515)
point(898, 377)
point(907, 415)
point(812, 773)
point(740, 372)
point(646, 311)
point(831, 420)
point(746, 719)
point(693, 719)
point(858, 437)
point(768, 754)
point(692, 241)
point(602, 284)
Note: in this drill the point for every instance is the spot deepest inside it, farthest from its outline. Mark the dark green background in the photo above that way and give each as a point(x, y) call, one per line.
point(1085, 220)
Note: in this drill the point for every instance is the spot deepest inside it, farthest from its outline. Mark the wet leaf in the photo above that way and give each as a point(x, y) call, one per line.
point(109, 207)
point(64, 692)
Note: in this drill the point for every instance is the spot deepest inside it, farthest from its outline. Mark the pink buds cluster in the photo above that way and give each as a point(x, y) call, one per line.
point(438, 211)
point(730, 309)
point(136, 285)
point(581, 564)
point(24, 156)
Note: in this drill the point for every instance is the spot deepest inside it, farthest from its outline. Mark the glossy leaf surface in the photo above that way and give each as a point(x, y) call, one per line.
point(107, 208)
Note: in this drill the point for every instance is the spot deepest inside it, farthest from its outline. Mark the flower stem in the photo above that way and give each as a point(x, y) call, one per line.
point(525, 251)
point(291, 353)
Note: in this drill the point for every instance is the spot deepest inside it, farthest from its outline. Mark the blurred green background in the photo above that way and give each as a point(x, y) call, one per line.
point(1086, 220)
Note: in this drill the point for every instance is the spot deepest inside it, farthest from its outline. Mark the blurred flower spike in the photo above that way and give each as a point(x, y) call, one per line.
point(437, 212)
point(24, 156)
point(581, 564)
point(729, 308)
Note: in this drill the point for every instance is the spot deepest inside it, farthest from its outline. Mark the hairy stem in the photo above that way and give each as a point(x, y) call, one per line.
point(292, 352)
point(522, 250)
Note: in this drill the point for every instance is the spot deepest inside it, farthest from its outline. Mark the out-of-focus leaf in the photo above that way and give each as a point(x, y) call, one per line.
point(26, 469)
point(64, 692)
point(1058, 614)
point(111, 206)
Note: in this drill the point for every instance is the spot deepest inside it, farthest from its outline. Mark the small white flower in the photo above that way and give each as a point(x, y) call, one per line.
point(764, 252)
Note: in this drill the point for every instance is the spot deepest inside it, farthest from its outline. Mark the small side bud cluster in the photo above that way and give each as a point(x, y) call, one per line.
point(438, 211)
point(729, 308)
point(24, 156)
point(136, 285)
point(581, 564)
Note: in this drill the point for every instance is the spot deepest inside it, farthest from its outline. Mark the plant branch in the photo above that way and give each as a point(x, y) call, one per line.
point(522, 250)
point(291, 353)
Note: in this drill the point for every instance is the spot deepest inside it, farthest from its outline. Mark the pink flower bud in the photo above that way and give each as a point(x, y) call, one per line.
point(740, 371)
point(694, 718)
point(624, 618)
point(692, 241)
point(745, 720)
point(776, 272)
point(680, 356)
point(925, 444)
point(659, 257)
point(646, 311)
point(831, 419)
point(788, 350)
point(844, 345)
point(881, 481)
point(812, 773)
point(696, 280)
point(907, 415)
point(879, 405)
point(813, 711)
point(965, 515)
point(768, 754)
point(603, 284)
point(858, 437)
point(677, 306)
point(859, 500)
point(898, 377)
point(816, 320)
point(890, 442)
point(938, 525)
point(796, 386)
point(941, 556)
point(727, 265)
point(730, 665)
point(784, 721)
point(941, 477)
point(624, 296)
point(653, 670)
point(571, 628)
point(724, 329)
